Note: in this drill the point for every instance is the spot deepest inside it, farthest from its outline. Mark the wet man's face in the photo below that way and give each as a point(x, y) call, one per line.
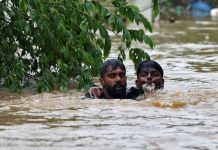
point(114, 83)
point(150, 76)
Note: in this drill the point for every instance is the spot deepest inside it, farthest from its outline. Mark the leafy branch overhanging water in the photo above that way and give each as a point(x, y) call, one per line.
point(56, 42)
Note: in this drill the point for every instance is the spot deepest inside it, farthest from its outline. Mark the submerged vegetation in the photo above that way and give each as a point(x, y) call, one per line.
point(54, 42)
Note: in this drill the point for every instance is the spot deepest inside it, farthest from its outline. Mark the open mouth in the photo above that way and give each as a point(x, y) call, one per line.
point(118, 87)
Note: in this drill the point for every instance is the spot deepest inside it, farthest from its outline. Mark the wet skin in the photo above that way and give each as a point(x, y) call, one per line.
point(114, 83)
point(150, 76)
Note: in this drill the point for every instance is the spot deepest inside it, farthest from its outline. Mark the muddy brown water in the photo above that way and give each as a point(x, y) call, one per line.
point(182, 116)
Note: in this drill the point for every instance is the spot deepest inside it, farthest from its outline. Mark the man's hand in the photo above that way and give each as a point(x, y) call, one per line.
point(94, 92)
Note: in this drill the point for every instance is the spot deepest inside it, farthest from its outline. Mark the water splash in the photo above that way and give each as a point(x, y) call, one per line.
point(148, 87)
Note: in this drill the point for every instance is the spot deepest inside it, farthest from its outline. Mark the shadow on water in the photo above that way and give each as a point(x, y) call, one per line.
point(183, 115)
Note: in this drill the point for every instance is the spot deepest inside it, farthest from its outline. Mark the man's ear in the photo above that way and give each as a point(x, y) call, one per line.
point(136, 82)
point(101, 80)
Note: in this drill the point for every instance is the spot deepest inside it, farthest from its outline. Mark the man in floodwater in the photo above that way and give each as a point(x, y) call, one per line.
point(149, 78)
point(112, 79)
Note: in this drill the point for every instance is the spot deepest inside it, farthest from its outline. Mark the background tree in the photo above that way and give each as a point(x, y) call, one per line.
point(56, 41)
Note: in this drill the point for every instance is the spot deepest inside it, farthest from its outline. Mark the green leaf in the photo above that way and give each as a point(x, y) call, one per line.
point(121, 55)
point(84, 26)
point(156, 7)
point(148, 41)
point(127, 37)
point(137, 55)
point(107, 47)
point(23, 4)
point(125, 30)
point(146, 24)
point(100, 42)
point(119, 24)
point(103, 31)
point(89, 6)
point(111, 20)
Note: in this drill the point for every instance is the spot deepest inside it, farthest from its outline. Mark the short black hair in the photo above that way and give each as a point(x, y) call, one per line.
point(113, 63)
point(149, 64)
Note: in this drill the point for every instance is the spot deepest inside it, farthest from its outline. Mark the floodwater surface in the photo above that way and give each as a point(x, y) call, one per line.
point(183, 115)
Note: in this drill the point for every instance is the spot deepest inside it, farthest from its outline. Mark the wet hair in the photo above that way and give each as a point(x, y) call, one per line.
point(149, 64)
point(113, 64)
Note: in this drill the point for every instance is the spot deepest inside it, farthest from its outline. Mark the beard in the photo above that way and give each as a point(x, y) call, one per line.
point(117, 91)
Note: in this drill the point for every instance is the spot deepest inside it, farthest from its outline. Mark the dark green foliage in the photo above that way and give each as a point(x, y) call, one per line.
point(137, 55)
point(156, 5)
point(57, 41)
